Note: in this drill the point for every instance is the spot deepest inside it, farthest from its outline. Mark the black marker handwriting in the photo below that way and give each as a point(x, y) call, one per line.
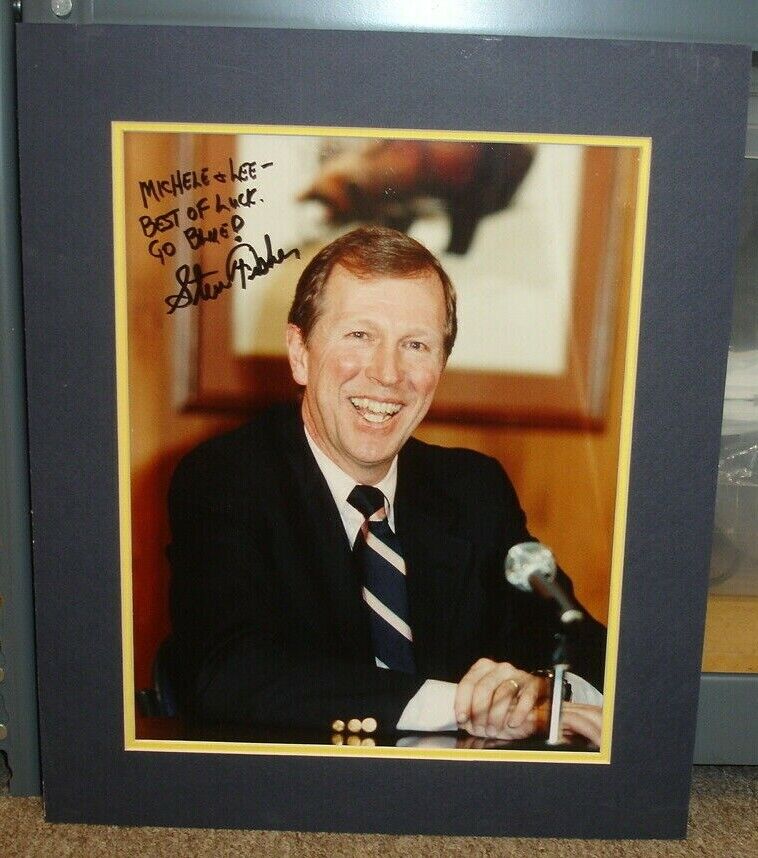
point(244, 262)
point(243, 265)
point(178, 183)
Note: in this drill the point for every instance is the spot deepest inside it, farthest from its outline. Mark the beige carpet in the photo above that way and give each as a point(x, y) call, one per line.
point(723, 819)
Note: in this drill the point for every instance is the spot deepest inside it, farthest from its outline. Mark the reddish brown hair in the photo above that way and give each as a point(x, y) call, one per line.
point(367, 251)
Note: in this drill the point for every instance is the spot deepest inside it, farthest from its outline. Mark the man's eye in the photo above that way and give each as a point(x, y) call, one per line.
point(358, 335)
point(417, 346)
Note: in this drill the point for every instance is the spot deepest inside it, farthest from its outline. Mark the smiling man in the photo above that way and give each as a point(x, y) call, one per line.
point(327, 566)
point(369, 365)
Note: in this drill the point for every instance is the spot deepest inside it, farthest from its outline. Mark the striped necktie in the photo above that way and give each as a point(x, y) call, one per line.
point(378, 557)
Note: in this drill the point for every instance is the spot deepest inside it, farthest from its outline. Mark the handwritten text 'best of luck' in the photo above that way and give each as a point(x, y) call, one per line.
point(243, 262)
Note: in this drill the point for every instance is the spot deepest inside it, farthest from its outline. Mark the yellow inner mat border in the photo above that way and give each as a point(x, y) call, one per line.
point(131, 743)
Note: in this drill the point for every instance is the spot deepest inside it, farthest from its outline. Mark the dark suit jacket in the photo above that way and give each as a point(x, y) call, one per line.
point(268, 619)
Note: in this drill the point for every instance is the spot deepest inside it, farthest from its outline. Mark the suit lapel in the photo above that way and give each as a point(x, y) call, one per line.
point(328, 576)
point(438, 562)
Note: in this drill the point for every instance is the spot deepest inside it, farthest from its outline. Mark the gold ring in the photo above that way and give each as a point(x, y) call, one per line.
point(515, 685)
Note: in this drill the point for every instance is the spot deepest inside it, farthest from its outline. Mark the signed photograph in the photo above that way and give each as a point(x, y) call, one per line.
point(375, 392)
point(365, 464)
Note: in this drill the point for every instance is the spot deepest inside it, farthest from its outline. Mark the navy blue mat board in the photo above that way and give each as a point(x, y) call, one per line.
point(690, 99)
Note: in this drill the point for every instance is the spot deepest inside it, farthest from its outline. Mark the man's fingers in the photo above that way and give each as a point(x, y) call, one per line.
point(465, 690)
point(498, 679)
point(515, 713)
point(583, 719)
point(481, 699)
point(496, 699)
point(531, 693)
point(501, 708)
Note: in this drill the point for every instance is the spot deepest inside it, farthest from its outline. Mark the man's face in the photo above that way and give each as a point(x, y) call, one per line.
point(370, 367)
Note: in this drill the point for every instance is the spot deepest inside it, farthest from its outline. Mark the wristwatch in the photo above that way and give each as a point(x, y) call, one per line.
point(549, 674)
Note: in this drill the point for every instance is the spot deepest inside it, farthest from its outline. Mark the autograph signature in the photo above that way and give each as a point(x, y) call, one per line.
point(243, 265)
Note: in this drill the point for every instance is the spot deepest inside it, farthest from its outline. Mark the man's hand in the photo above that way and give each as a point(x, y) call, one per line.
point(583, 720)
point(497, 700)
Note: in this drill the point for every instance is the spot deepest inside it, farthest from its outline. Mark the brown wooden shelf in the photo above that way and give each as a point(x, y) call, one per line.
point(731, 635)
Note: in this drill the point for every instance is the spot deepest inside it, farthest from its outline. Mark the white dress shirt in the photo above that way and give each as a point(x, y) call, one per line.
point(432, 707)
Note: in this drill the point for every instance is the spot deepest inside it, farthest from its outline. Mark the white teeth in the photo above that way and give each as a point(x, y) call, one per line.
point(373, 411)
point(375, 418)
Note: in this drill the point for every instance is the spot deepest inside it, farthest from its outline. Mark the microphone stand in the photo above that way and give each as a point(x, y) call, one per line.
point(530, 567)
point(560, 667)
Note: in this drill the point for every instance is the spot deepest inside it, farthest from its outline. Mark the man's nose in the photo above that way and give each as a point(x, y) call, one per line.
point(384, 367)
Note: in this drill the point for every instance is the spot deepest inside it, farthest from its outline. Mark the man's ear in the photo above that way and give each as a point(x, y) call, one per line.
point(298, 354)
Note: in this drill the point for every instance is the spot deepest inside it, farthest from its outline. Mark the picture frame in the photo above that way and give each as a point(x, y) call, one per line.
point(154, 251)
point(555, 86)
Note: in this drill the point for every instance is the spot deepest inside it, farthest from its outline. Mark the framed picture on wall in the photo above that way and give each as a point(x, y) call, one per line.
point(534, 228)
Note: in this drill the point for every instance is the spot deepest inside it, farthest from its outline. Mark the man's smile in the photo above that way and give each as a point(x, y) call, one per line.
point(373, 410)
point(370, 366)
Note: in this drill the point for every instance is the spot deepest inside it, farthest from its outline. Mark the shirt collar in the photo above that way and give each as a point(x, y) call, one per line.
point(341, 484)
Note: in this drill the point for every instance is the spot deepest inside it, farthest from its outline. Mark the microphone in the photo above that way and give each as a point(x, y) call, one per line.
point(530, 566)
